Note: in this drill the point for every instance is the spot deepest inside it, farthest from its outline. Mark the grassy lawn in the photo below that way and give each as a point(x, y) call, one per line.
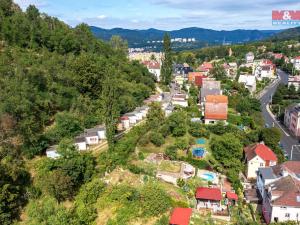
point(151, 148)
point(169, 166)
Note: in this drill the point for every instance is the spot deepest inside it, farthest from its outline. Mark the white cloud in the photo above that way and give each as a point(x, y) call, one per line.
point(101, 17)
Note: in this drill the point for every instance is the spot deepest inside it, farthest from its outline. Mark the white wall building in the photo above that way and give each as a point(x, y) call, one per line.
point(257, 156)
point(249, 82)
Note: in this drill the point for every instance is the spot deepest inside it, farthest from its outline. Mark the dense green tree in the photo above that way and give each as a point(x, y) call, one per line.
point(117, 43)
point(155, 116)
point(198, 130)
point(271, 136)
point(166, 68)
point(177, 122)
point(227, 149)
point(157, 138)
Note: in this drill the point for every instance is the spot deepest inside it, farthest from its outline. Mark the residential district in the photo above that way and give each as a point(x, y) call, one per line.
point(270, 186)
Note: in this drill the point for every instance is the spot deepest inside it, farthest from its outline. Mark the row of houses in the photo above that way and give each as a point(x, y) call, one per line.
point(97, 135)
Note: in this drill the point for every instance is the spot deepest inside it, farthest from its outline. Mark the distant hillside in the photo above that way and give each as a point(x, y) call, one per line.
point(292, 33)
point(137, 38)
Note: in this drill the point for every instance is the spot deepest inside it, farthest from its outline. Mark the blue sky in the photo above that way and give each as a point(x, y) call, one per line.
point(166, 14)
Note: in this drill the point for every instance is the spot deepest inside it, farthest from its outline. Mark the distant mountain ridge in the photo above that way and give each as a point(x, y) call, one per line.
point(140, 37)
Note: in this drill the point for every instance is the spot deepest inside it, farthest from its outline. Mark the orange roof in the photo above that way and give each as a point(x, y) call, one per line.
point(217, 98)
point(216, 107)
point(192, 76)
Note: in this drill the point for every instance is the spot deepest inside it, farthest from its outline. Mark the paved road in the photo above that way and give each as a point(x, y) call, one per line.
point(287, 140)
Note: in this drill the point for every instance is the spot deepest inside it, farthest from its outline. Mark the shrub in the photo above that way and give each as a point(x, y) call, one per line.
point(182, 143)
point(198, 130)
point(155, 200)
point(171, 152)
point(144, 140)
point(157, 139)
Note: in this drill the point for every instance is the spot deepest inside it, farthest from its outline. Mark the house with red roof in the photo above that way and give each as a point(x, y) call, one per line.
point(154, 68)
point(256, 156)
point(209, 198)
point(216, 108)
point(181, 216)
point(232, 198)
point(196, 78)
point(205, 68)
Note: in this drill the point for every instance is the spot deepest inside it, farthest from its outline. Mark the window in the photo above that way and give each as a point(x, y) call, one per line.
point(287, 215)
point(261, 164)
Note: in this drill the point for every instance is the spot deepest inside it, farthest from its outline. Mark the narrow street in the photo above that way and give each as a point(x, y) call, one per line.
point(287, 139)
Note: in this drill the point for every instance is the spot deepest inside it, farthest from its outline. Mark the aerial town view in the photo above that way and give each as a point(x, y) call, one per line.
point(154, 112)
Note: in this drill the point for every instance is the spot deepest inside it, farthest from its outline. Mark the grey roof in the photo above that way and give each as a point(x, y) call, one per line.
point(90, 133)
point(52, 148)
point(205, 92)
point(79, 139)
point(267, 173)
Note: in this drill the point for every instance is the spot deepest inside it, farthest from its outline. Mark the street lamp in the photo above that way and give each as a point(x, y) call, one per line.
point(293, 150)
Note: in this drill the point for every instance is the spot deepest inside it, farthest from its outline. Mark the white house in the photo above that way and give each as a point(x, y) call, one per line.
point(249, 57)
point(80, 143)
point(296, 63)
point(267, 175)
point(282, 200)
point(91, 137)
point(154, 68)
point(180, 99)
point(249, 81)
point(295, 81)
point(52, 153)
point(125, 122)
point(257, 156)
point(132, 118)
point(138, 114)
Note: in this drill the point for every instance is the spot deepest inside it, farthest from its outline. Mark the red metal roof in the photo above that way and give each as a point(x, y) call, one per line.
point(209, 193)
point(181, 216)
point(231, 195)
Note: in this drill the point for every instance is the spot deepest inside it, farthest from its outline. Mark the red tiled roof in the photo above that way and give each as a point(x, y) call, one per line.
point(206, 66)
point(231, 195)
point(298, 57)
point(209, 193)
point(181, 216)
point(286, 190)
point(199, 80)
point(192, 75)
point(267, 62)
point(152, 64)
point(292, 166)
point(124, 118)
point(260, 150)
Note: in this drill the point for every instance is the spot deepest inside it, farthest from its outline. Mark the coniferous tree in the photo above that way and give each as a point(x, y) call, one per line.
point(110, 105)
point(166, 68)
